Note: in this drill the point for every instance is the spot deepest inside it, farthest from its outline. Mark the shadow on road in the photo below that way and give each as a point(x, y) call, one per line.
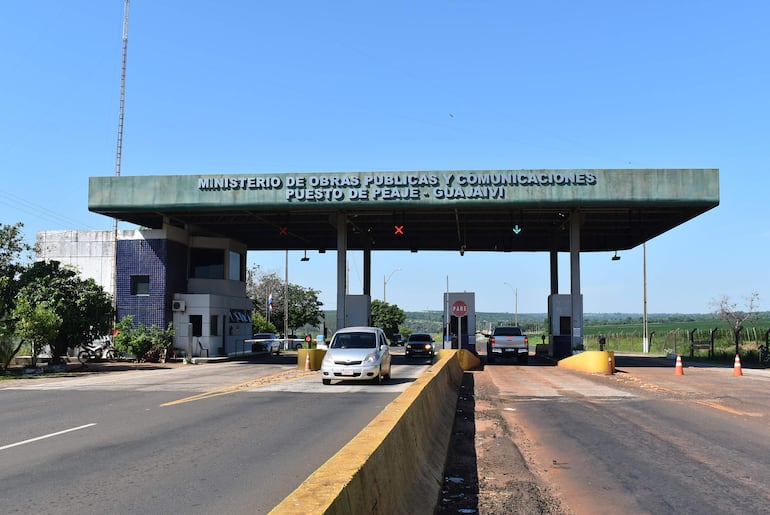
point(460, 491)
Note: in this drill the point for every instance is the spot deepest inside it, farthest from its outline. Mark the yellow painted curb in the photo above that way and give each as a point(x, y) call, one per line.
point(396, 463)
point(593, 361)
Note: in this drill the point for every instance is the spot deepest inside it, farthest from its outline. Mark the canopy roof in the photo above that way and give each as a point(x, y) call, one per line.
point(477, 210)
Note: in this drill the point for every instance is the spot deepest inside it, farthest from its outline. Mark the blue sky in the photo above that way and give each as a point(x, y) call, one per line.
point(264, 87)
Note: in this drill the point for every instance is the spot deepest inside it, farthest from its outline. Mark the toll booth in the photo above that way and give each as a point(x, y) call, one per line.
point(358, 310)
point(459, 321)
point(561, 327)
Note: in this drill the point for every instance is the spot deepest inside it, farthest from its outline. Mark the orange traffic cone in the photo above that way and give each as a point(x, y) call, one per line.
point(737, 368)
point(679, 370)
point(307, 361)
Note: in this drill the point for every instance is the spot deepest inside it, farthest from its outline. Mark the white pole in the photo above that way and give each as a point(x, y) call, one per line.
point(459, 332)
point(286, 298)
point(385, 283)
point(446, 314)
point(517, 306)
point(645, 341)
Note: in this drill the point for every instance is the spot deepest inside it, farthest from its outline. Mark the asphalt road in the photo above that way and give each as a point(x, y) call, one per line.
point(242, 438)
point(642, 440)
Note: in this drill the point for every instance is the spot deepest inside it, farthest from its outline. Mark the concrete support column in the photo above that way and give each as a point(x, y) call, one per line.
point(554, 272)
point(368, 271)
point(342, 260)
point(574, 271)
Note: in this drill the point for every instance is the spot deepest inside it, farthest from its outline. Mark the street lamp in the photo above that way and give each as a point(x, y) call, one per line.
point(516, 301)
point(385, 283)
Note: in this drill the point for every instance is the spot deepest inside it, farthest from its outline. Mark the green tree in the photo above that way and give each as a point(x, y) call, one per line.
point(259, 287)
point(303, 303)
point(12, 250)
point(259, 324)
point(304, 307)
point(12, 245)
point(387, 317)
point(36, 323)
point(12, 254)
point(84, 307)
point(9, 345)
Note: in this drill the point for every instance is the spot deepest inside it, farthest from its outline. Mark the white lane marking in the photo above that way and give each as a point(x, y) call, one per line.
point(46, 436)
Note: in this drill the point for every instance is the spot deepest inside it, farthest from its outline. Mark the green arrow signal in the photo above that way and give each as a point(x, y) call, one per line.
point(516, 229)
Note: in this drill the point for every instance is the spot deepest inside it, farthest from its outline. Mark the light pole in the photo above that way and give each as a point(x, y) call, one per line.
point(516, 302)
point(385, 283)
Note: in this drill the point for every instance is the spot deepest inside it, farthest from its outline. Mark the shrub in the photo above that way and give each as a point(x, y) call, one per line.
point(146, 344)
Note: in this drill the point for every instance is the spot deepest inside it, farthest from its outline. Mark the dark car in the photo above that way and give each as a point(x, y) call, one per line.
point(420, 344)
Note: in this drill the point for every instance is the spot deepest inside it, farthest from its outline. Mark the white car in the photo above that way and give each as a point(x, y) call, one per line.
point(357, 354)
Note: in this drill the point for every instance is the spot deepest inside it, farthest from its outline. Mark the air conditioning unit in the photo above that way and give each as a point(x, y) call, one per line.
point(177, 305)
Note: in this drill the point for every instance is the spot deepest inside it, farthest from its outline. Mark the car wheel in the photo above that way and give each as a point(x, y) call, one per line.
point(523, 359)
point(326, 381)
point(378, 378)
point(490, 356)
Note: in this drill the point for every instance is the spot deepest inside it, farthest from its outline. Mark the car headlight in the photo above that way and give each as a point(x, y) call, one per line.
point(328, 360)
point(370, 358)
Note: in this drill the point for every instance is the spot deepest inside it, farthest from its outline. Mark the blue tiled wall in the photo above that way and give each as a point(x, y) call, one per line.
point(165, 262)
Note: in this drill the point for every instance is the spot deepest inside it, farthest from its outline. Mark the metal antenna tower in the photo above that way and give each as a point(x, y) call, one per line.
point(119, 153)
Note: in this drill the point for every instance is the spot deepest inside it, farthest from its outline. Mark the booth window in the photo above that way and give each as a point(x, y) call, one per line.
point(236, 270)
point(197, 325)
point(207, 263)
point(214, 325)
point(140, 285)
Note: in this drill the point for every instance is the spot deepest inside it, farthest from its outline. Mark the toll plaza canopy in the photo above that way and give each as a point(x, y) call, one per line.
point(467, 210)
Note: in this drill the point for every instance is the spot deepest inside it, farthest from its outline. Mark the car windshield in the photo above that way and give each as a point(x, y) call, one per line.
point(263, 336)
point(355, 341)
point(507, 331)
point(420, 338)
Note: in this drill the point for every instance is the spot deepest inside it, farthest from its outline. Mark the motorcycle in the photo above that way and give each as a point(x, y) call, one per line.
point(97, 351)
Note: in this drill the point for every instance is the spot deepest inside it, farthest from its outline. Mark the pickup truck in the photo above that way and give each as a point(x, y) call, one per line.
point(508, 341)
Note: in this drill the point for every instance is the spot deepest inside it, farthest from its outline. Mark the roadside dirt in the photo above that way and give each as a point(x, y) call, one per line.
point(486, 472)
point(74, 369)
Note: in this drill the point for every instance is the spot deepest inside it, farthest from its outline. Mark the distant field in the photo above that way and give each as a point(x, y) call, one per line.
point(669, 333)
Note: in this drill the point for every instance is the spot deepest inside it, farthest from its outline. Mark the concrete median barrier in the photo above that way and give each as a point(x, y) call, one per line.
point(314, 356)
point(590, 361)
point(396, 463)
